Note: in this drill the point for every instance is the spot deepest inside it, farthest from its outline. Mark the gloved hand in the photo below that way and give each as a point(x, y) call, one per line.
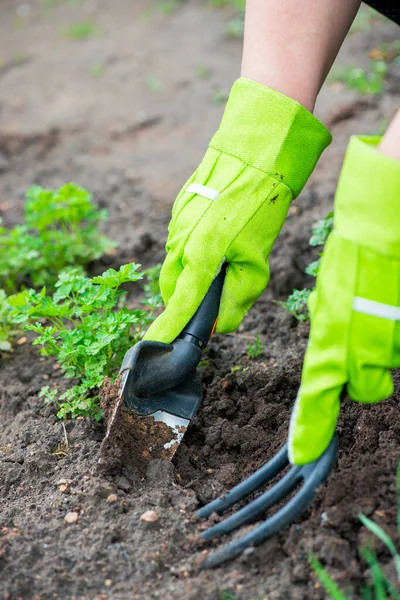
point(233, 207)
point(355, 309)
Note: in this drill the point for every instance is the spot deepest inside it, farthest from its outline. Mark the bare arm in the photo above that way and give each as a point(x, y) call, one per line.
point(290, 45)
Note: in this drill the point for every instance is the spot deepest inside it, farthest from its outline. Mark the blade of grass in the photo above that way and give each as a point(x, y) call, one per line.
point(383, 536)
point(330, 586)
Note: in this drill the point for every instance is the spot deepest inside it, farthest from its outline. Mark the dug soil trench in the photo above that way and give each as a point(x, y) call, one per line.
point(133, 148)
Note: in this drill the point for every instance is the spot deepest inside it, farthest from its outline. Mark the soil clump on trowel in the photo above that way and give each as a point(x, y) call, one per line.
point(132, 441)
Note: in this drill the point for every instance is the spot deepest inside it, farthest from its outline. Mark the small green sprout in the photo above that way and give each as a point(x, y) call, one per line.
point(97, 69)
point(220, 96)
point(296, 304)
point(254, 350)
point(321, 230)
point(368, 81)
point(167, 7)
point(235, 27)
point(203, 71)
point(154, 84)
point(82, 30)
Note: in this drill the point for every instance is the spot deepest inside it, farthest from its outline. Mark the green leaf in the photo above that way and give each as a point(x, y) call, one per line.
point(383, 536)
point(330, 586)
point(296, 304)
point(321, 230)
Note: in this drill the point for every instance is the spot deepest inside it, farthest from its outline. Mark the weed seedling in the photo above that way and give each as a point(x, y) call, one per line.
point(155, 84)
point(235, 27)
point(202, 71)
point(364, 81)
point(167, 7)
point(82, 30)
point(296, 304)
point(220, 97)
point(254, 350)
point(98, 69)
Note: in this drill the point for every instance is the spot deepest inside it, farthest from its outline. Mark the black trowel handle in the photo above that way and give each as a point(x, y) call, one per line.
point(201, 326)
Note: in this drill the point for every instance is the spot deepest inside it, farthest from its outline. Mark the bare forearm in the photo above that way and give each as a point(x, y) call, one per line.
point(290, 45)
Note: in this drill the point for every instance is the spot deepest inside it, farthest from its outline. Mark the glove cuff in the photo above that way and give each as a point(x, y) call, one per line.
point(271, 132)
point(367, 203)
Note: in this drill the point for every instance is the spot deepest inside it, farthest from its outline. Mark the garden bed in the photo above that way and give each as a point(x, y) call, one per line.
point(49, 468)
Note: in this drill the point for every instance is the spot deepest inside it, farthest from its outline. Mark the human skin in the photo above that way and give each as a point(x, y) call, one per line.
point(290, 45)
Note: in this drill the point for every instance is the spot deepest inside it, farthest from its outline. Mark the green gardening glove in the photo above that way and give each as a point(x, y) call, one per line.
point(355, 309)
point(233, 207)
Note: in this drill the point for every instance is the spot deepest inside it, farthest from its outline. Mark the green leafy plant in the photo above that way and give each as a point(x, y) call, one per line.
point(254, 350)
point(203, 71)
point(235, 27)
point(226, 595)
point(368, 81)
point(6, 327)
point(238, 4)
point(151, 287)
point(380, 587)
point(97, 69)
point(82, 30)
point(167, 7)
point(296, 304)
point(61, 228)
point(89, 331)
point(321, 230)
point(220, 96)
point(154, 84)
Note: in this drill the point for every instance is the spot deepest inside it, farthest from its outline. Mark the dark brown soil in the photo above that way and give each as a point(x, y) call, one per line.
point(133, 148)
point(130, 442)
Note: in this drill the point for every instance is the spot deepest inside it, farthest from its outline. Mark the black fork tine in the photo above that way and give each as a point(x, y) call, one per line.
point(247, 487)
point(313, 474)
point(256, 508)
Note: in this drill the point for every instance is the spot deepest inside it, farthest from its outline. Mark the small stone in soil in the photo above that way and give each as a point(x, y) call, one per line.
point(150, 516)
point(112, 498)
point(71, 517)
point(64, 481)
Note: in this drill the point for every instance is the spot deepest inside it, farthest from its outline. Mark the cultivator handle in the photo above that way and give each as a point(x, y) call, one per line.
point(202, 325)
point(153, 367)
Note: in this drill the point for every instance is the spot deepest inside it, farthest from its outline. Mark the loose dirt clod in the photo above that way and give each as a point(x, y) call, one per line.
point(133, 441)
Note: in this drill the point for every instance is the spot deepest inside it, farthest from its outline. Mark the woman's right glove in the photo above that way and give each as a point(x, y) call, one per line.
point(355, 309)
point(233, 207)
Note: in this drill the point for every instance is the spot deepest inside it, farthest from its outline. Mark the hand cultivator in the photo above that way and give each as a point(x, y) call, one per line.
point(160, 380)
point(312, 475)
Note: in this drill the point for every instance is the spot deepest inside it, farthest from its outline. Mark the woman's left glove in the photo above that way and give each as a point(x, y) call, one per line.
point(355, 308)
